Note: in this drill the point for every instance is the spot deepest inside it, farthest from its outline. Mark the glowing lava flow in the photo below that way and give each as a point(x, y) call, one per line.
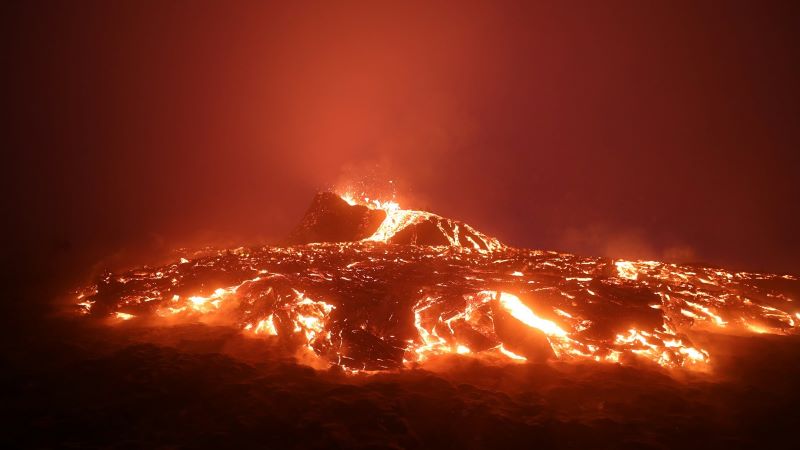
point(397, 219)
point(366, 305)
point(519, 311)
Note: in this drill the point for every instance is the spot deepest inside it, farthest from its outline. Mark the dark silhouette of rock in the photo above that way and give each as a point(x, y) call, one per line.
point(437, 230)
point(423, 233)
point(331, 219)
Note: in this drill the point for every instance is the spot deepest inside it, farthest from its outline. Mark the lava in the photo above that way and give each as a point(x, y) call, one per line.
point(388, 300)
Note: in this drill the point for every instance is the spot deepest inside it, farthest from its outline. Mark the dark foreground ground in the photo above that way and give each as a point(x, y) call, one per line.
point(78, 384)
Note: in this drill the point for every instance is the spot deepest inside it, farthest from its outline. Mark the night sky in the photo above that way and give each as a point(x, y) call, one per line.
point(657, 130)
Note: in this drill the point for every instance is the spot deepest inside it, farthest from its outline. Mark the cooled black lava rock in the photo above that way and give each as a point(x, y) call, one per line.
point(435, 230)
point(331, 219)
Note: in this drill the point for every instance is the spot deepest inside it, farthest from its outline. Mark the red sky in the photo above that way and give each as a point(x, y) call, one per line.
point(631, 129)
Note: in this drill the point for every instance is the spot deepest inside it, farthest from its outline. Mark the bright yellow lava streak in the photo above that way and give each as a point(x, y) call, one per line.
point(519, 311)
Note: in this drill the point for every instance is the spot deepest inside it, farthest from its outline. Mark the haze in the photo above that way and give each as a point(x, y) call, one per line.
point(623, 129)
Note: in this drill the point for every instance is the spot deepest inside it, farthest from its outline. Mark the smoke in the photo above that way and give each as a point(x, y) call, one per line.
point(153, 127)
point(624, 243)
point(640, 131)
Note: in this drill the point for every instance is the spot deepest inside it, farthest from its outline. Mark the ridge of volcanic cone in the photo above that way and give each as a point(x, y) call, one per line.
point(331, 219)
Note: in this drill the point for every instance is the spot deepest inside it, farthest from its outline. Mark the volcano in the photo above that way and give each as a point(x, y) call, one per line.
point(364, 285)
point(333, 218)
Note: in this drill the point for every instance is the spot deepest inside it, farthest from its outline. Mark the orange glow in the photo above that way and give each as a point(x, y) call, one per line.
point(266, 326)
point(123, 316)
point(283, 291)
point(626, 270)
point(513, 305)
point(511, 354)
point(398, 219)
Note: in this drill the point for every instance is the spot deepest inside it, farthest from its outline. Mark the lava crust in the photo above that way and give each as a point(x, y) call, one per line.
point(370, 304)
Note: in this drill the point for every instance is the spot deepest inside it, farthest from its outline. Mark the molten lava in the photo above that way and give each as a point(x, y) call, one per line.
point(388, 288)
